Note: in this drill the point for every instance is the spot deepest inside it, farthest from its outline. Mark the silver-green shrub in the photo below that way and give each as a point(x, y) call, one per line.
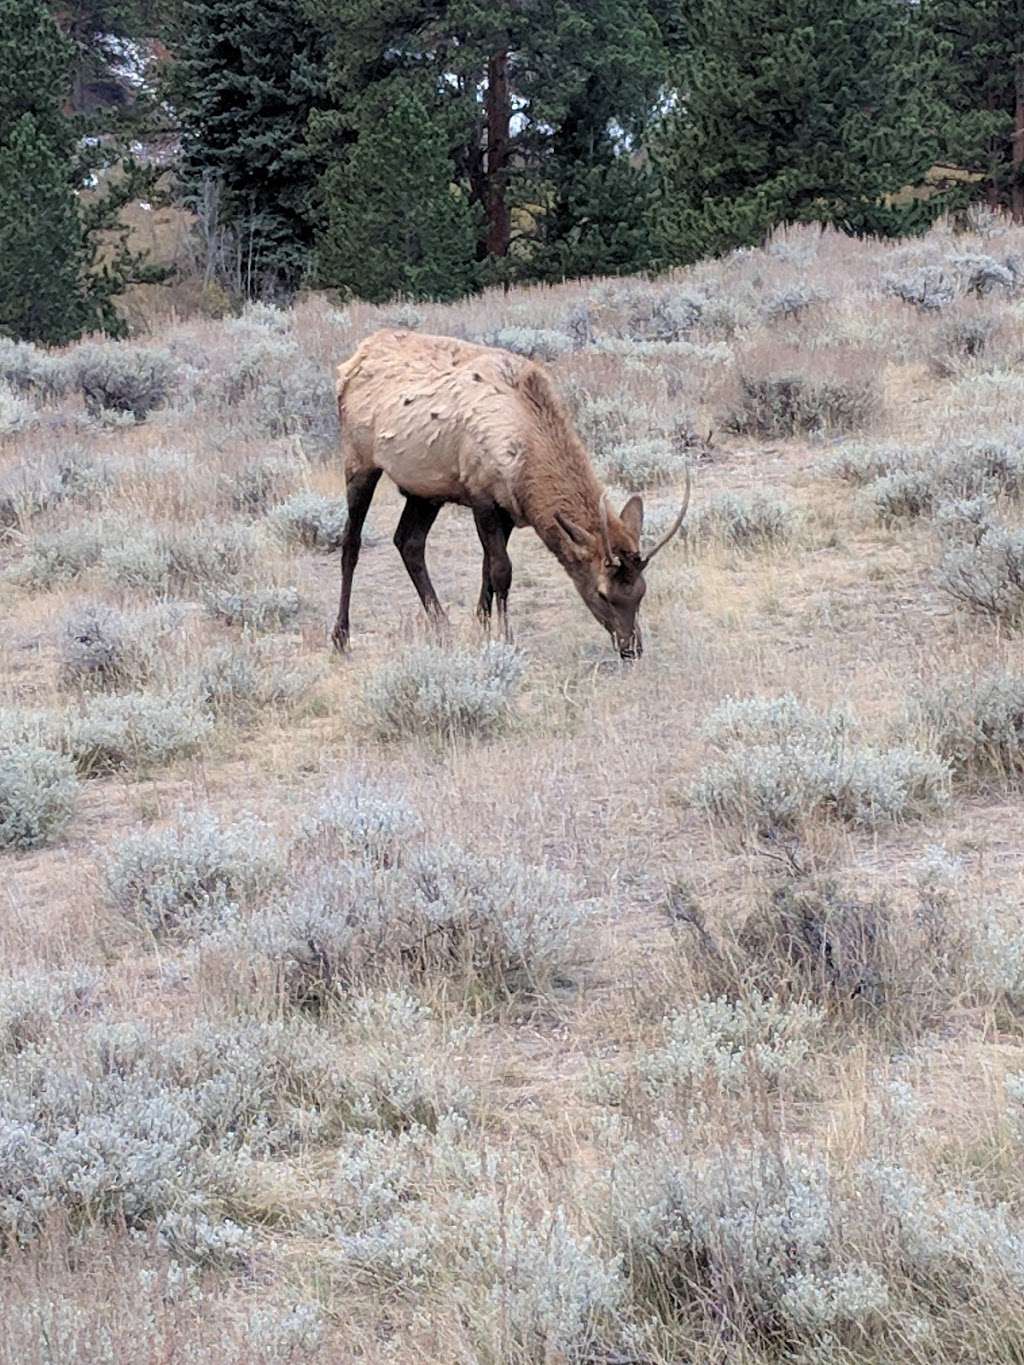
point(443, 693)
point(134, 730)
point(28, 370)
point(771, 720)
point(163, 560)
point(757, 1236)
point(33, 1003)
point(103, 648)
point(975, 724)
point(781, 764)
point(17, 413)
point(257, 609)
point(637, 465)
point(902, 496)
point(311, 519)
point(753, 521)
point(988, 577)
point(57, 557)
point(503, 928)
point(779, 786)
point(534, 342)
point(192, 874)
point(862, 464)
point(360, 820)
point(791, 403)
point(238, 681)
point(733, 1045)
point(119, 377)
point(38, 793)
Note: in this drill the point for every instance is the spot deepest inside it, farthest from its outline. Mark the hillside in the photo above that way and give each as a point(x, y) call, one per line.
point(439, 1003)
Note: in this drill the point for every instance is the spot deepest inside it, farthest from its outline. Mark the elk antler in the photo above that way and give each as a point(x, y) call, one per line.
point(675, 525)
point(609, 558)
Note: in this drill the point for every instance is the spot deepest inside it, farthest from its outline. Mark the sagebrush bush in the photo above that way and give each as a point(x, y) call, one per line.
point(862, 464)
point(32, 1004)
point(297, 399)
point(57, 557)
point(637, 465)
point(988, 577)
point(606, 421)
point(193, 874)
point(28, 370)
point(163, 561)
point(662, 316)
point(771, 720)
point(17, 413)
point(103, 648)
point(782, 765)
point(38, 792)
point(830, 398)
point(975, 724)
point(134, 730)
point(789, 304)
point(928, 287)
point(534, 342)
point(902, 496)
point(312, 519)
point(757, 1236)
point(753, 522)
point(360, 820)
point(501, 929)
point(960, 342)
point(257, 610)
point(120, 377)
point(129, 1127)
point(444, 693)
point(728, 1045)
point(238, 681)
point(255, 487)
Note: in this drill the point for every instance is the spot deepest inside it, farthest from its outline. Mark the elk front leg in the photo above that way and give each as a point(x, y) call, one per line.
point(494, 526)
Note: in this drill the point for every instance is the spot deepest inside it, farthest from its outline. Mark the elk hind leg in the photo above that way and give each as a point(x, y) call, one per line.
point(359, 490)
point(418, 516)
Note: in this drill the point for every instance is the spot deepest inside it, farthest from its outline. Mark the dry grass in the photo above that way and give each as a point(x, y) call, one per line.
point(537, 1173)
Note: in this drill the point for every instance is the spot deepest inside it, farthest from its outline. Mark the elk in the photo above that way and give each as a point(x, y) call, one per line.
point(449, 421)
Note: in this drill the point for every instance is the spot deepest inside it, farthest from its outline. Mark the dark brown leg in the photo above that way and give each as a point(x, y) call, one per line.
point(494, 526)
point(359, 490)
point(411, 538)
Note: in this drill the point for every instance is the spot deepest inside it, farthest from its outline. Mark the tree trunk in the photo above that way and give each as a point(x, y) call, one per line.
point(499, 117)
point(1017, 155)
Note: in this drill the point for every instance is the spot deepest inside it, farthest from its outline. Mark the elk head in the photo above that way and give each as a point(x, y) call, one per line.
point(608, 568)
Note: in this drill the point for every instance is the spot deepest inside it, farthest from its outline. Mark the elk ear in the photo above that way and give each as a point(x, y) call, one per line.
point(580, 538)
point(632, 517)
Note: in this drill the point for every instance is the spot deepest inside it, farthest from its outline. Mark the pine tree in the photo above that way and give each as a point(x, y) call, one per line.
point(534, 96)
point(42, 251)
point(396, 224)
point(795, 111)
point(52, 287)
point(983, 89)
point(243, 84)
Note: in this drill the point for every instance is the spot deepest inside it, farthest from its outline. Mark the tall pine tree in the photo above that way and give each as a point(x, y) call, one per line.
point(42, 250)
point(796, 111)
point(395, 222)
point(534, 96)
point(244, 81)
point(983, 88)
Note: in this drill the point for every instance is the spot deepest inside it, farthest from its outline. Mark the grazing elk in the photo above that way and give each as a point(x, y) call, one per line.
point(452, 422)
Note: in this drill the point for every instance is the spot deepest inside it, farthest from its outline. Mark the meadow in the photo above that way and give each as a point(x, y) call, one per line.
point(484, 1003)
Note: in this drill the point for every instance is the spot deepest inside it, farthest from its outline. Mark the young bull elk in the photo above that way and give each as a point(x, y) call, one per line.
point(452, 422)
